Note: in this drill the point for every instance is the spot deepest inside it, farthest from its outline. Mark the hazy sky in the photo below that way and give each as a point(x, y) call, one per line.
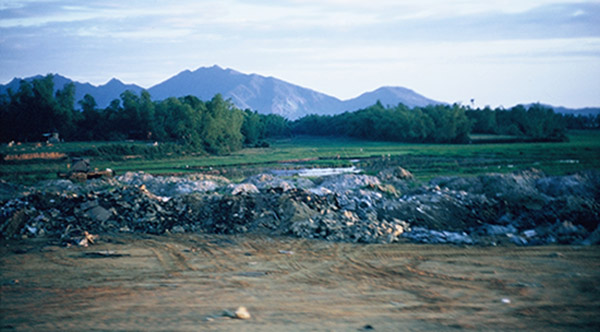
point(500, 52)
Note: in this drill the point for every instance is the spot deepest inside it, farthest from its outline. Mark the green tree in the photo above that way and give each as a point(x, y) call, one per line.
point(64, 115)
point(91, 124)
point(177, 121)
point(221, 126)
point(252, 128)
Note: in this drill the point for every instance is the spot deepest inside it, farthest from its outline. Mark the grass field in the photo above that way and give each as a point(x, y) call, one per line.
point(581, 152)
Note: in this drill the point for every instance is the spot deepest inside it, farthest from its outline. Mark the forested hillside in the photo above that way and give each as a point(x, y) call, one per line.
point(218, 127)
point(215, 126)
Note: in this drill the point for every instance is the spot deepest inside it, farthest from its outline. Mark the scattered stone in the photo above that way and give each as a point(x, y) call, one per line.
point(87, 239)
point(424, 235)
point(594, 238)
point(344, 182)
point(496, 230)
point(242, 313)
point(395, 173)
point(243, 188)
point(98, 214)
point(14, 224)
point(518, 240)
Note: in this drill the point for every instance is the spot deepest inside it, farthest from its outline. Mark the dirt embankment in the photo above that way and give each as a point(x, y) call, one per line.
point(34, 155)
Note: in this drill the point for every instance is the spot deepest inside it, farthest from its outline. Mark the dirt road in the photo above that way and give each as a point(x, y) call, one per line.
point(184, 283)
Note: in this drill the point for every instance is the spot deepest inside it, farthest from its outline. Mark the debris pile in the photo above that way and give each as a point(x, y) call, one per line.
point(523, 208)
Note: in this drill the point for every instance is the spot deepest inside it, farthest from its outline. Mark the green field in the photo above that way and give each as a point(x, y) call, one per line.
point(581, 152)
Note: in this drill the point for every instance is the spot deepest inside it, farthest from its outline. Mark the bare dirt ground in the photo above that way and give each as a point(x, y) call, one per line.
point(184, 283)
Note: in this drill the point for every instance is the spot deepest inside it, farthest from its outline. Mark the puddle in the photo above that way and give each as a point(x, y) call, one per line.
point(317, 172)
point(568, 161)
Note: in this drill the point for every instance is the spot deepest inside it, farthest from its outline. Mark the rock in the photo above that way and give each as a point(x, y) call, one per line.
point(496, 230)
point(423, 235)
point(98, 213)
point(14, 224)
point(341, 183)
point(177, 230)
point(518, 240)
point(268, 181)
point(243, 188)
point(87, 239)
point(395, 173)
point(242, 313)
point(88, 205)
point(580, 185)
point(567, 232)
point(594, 238)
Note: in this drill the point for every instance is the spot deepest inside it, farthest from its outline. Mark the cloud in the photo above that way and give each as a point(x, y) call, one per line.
point(391, 20)
point(375, 41)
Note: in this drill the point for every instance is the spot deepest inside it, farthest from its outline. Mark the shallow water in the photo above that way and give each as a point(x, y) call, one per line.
point(316, 172)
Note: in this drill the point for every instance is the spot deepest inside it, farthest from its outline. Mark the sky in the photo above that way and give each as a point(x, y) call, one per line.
point(497, 52)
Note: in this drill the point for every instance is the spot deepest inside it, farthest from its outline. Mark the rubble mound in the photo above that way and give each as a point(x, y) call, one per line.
point(524, 208)
point(173, 185)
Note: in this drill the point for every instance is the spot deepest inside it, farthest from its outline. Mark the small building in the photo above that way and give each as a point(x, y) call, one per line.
point(52, 137)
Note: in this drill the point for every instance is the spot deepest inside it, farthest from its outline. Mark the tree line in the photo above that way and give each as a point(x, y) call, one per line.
point(434, 123)
point(217, 126)
point(536, 122)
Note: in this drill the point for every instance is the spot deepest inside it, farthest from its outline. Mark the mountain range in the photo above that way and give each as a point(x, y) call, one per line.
point(249, 91)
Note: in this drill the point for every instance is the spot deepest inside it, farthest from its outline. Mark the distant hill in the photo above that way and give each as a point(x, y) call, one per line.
point(264, 94)
point(251, 91)
point(247, 91)
point(272, 95)
point(389, 95)
point(576, 111)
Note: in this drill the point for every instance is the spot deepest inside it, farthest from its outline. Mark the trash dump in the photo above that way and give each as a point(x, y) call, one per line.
point(348, 208)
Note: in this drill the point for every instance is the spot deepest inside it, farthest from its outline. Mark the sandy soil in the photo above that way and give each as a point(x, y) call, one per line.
point(184, 283)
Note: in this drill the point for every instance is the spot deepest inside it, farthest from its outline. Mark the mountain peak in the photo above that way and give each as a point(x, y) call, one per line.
point(214, 69)
point(394, 88)
point(211, 68)
point(389, 95)
point(114, 81)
